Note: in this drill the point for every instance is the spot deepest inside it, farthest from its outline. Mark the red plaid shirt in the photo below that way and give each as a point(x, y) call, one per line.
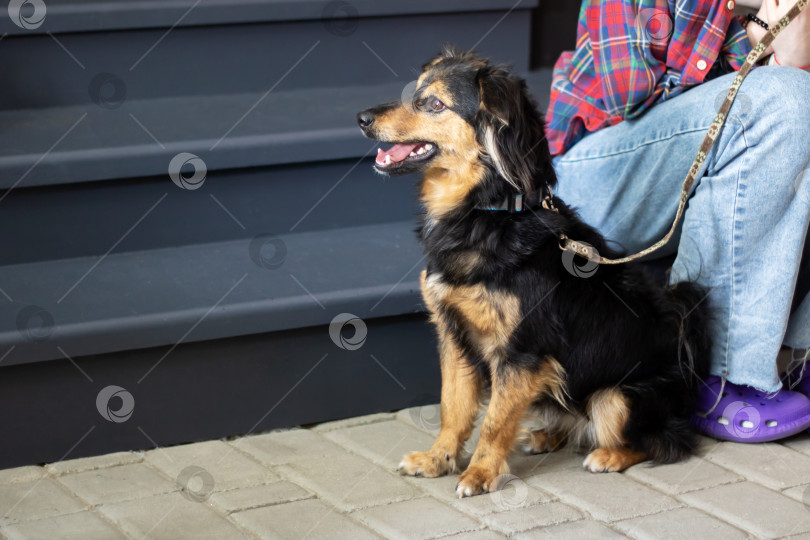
point(632, 54)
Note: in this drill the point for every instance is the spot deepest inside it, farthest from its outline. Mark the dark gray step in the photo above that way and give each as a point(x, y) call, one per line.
point(88, 219)
point(140, 138)
point(88, 16)
point(213, 389)
point(52, 70)
point(134, 300)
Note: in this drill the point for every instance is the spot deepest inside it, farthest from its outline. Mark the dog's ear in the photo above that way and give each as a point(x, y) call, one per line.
point(511, 131)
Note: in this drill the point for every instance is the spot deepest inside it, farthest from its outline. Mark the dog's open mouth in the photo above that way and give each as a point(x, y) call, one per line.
point(403, 153)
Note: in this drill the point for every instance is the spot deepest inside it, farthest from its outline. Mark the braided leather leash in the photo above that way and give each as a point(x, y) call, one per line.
point(584, 250)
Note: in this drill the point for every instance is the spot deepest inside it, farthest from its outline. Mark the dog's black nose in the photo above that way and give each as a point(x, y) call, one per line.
point(365, 119)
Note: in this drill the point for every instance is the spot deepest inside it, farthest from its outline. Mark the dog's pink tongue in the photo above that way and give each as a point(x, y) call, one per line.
point(398, 152)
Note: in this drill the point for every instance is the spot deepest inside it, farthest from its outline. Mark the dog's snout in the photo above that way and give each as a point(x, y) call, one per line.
point(365, 119)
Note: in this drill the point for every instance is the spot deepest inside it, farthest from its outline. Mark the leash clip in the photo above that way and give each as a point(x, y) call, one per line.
point(579, 249)
point(562, 242)
point(548, 201)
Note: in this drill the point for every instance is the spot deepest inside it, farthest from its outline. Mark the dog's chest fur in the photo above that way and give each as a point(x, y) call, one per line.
point(488, 317)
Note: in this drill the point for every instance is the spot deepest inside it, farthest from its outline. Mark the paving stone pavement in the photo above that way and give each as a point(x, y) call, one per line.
point(338, 480)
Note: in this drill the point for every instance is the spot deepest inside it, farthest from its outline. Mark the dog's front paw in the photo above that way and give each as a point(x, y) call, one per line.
point(427, 464)
point(474, 481)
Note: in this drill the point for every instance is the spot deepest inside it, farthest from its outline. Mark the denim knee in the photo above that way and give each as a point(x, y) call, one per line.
point(778, 95)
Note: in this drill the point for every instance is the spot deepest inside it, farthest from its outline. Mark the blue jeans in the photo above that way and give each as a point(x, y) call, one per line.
point(744, 230)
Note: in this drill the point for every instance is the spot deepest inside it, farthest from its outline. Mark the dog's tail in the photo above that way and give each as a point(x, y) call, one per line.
point(691, 314)
point(668, 436)
point(672, 439)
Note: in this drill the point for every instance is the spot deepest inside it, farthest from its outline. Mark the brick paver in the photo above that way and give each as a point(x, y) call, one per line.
point(93, 463)
point(435, 519)
point(256, 496)
point(352, 422)
point(799, 493)
point(427, 418)
point(606, 496)
point(114, 484)
point(78, 526)
point(800, 443)
point(515, 495)
point(303, 519)
point(753, 508)
point(526, 466)
point(769, 464)
point(36, 500)
point(689, 475)
point(577, 530)
point(170, 515)
point(228, 467)
point(521, 519)
point(338, 480)
point(679, 524)
point(349, 482)
point(384, 443)
point(483, 534)
point(287, 446)
point(21, 474)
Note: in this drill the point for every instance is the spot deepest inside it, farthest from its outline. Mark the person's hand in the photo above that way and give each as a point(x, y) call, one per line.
point(755, 31)
point(792, 46)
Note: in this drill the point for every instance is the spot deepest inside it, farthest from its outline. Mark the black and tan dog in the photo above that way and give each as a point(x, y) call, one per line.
point(612, 361)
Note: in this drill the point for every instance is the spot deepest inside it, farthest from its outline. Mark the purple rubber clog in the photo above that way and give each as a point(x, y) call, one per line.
point(733, 412)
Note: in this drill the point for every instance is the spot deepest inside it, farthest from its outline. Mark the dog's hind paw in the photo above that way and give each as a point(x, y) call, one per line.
point(426, 464)
point(542, 441)
point(612, 460)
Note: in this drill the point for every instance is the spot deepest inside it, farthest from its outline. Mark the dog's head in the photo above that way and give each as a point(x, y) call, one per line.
point(467, 124)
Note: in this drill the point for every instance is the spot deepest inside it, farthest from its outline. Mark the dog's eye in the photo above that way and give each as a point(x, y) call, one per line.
point(436, 104)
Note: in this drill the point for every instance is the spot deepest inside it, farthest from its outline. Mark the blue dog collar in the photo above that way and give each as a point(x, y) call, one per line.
point(516, 203)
